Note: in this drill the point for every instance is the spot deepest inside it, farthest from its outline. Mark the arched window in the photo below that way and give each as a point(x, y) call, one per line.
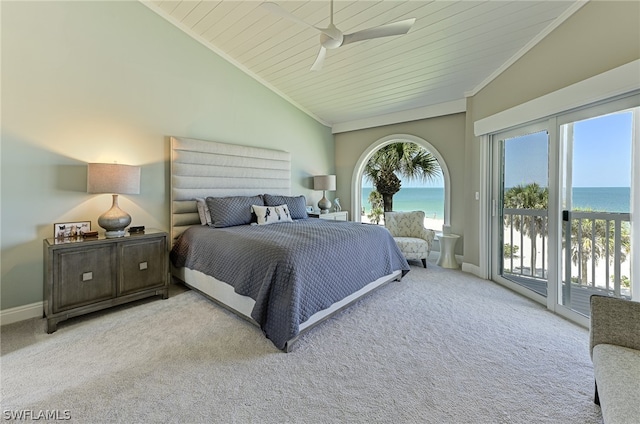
point(356, 179)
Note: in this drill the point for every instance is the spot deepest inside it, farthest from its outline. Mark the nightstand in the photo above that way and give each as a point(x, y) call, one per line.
point(332, 216)
point(87, 275)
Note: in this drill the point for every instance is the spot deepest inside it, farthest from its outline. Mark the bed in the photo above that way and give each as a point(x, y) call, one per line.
point(286, 277)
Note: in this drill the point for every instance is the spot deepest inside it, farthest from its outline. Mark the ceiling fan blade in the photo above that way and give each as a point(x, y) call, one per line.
point(394, 28)
point(317, 65)
point(278, 10)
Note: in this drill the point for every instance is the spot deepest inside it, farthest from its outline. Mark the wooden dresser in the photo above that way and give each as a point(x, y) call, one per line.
point(87, 275)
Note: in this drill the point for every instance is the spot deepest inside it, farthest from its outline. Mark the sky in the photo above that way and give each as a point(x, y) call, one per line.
point(601, 154)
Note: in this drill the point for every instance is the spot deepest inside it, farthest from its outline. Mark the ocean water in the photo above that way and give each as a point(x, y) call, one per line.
point(431, 199)
point(602, 199)
point(427, 199)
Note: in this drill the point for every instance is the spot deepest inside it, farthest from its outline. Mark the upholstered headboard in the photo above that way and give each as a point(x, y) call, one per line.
point(202, 168)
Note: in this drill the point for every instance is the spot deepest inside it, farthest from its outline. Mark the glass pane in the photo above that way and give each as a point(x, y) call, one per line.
point(525, 199)
point(596, 227)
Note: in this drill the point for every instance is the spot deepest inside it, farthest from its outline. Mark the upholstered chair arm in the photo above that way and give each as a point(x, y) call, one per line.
point(614, 321)
point(427, 235)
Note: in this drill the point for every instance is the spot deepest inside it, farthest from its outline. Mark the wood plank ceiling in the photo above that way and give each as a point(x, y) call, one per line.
point(454, 48)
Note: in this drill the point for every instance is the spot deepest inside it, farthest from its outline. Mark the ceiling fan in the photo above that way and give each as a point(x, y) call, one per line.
point(332, 38)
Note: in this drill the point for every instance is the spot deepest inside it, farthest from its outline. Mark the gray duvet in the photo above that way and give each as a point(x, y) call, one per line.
point(292, 270)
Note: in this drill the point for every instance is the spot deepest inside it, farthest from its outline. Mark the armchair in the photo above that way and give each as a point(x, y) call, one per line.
point(413, 239)
point(614, 344)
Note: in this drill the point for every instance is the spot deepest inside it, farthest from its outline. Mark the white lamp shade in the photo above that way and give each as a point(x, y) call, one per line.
point(113, 178)
point(324, 182)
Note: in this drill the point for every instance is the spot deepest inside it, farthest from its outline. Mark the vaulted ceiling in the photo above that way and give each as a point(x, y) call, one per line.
point(453, 49)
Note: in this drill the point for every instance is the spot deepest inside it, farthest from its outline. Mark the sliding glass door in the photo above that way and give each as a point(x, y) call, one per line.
point(520, 210)
point(561, 207)
point(596, 205)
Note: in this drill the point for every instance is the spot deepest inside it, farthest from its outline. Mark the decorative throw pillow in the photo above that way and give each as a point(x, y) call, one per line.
point(203, 211)
point(297, 205)
point(272, 214)
point(232, 211)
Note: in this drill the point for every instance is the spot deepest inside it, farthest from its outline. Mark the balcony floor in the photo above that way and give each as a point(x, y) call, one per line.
point(579, 294)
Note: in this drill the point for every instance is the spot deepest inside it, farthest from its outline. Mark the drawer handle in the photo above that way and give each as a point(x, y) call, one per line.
point(143, 266)
point(87, 276)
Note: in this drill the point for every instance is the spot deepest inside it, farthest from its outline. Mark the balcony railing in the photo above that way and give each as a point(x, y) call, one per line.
point(525, 244)
point(599, 241)
point(595, 253)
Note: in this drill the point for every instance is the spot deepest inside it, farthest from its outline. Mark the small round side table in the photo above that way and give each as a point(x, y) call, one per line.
point(447, 257)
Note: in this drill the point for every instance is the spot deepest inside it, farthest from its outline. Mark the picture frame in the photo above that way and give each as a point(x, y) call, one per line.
point(68, 230)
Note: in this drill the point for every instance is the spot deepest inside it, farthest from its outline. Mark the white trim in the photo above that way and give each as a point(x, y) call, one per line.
point(441, 109)
point(356, 177)
point(554, 215)
point(617, 81)
point(151, 5)
point(21, 313)
point(473, 269)
point(484, 217)
point(635, 207)
point(531, 44)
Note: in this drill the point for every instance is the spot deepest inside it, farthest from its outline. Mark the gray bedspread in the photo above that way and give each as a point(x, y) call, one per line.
point(292, 270)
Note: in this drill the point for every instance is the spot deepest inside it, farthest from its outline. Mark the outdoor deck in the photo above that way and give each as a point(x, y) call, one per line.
point(579, 294)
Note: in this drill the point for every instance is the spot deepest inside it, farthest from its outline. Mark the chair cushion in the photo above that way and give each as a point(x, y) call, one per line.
point(617, 372)
point(413, 248)
point(404, 224)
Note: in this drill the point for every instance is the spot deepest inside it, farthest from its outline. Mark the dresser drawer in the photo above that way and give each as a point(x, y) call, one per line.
point(142, 265)
point(84, 276)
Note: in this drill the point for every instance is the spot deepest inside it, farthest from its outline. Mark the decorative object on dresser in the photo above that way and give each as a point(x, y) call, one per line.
point(407, 229)
point(324, 183)
point(70, 230)
point(86, 275)
point(337, 207)
point(115, 179)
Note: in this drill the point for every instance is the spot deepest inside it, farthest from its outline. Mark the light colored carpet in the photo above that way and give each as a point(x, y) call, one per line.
point(441, 346)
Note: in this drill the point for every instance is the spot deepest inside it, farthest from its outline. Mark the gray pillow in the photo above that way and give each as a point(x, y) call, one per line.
point(232, 211)
point(297, 205)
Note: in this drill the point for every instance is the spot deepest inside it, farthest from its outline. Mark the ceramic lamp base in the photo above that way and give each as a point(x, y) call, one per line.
point(115, 220)
point(324, 204)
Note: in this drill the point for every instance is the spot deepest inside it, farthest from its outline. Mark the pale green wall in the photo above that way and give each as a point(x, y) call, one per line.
point(602, 35)
point(108, 81)
point(446, 134)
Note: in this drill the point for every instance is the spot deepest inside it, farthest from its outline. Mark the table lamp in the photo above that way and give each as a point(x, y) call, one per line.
point(324, 183)
point(115, 179)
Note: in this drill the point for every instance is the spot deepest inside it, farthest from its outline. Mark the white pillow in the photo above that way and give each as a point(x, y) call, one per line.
point(203, 211)
point(271, 214)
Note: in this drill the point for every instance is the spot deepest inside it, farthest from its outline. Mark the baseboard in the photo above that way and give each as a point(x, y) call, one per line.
point(21, 313)
point(473, 269)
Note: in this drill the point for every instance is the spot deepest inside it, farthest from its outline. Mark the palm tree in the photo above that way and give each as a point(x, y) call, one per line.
point(375, 199)
point(583, 234)
point(530, 196)
point(400, 159)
